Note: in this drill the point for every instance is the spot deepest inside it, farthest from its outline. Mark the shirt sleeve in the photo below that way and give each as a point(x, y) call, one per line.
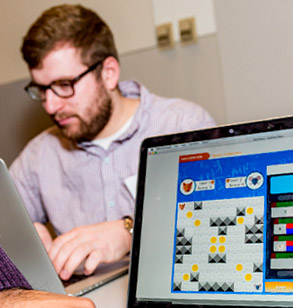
point(24, 173)
point(10, 276)
point(179, 115)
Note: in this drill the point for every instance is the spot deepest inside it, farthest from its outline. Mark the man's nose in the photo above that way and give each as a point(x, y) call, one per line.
point(53, 102)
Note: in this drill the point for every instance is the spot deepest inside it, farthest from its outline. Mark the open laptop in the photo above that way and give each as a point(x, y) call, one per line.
point(214, 218)
point(22, 244)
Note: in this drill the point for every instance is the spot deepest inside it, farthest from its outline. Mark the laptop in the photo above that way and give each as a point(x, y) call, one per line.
point(22, 244)
point(214, 218)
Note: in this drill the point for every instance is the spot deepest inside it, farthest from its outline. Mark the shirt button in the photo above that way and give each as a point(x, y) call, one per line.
point(111, 203)
point(106, 160)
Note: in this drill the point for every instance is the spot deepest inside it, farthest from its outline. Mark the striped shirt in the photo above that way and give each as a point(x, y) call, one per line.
point(76, 184)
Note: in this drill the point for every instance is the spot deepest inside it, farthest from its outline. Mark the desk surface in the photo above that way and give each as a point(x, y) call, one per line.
point(111, 295)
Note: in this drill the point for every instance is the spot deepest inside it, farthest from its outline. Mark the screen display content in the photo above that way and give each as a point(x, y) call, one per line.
point(214, 218)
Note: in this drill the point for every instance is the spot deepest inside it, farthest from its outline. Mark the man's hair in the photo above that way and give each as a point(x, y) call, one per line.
point(71, 25)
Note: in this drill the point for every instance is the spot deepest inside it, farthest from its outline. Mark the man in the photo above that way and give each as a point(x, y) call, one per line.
point(16, 292)
point(80, 174)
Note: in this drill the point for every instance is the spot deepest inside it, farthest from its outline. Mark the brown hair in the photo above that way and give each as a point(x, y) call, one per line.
point(68, 24)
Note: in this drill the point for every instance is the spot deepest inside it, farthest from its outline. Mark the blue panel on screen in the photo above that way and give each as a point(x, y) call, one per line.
point(282, 184)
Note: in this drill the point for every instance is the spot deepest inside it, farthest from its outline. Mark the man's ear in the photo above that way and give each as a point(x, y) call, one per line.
point(110, 73)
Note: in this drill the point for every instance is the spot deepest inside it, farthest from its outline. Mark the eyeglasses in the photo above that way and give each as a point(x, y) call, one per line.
point(62, 88)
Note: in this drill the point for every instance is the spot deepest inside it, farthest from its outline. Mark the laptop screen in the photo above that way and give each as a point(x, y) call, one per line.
point(214, 218)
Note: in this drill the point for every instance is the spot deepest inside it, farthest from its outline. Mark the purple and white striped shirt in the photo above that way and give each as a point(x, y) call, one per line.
point(72, 185)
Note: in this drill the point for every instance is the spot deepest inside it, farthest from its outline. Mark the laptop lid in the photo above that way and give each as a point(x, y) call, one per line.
point(214, 218)
point(20, 240)
point(22, 244)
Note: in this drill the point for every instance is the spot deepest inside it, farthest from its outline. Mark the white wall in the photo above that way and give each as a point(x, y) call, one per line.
point(256, 54)
point(165, 11)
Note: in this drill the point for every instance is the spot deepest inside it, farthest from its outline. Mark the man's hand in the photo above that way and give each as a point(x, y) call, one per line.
point(44, 234)
point(99, 243)
point(16, 298)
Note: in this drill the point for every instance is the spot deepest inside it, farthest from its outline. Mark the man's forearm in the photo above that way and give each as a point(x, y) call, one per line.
point(17, 298)
point(12, 298)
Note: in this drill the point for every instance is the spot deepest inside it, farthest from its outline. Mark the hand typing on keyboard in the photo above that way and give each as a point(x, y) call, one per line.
point(92, 244)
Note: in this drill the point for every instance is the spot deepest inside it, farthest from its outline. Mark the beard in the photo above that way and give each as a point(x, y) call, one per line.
point(95, 118)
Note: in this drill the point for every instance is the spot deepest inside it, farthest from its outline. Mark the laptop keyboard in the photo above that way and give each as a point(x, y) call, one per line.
point(74, 278)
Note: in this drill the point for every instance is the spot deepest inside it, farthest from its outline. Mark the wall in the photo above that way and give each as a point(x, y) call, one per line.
point(165, 11)
point(256, 48)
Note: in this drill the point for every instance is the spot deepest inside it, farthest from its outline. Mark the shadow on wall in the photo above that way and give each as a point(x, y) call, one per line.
point(21, 119)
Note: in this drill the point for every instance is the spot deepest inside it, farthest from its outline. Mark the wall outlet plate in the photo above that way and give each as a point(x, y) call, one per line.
point(164, 36)
point(187, 30)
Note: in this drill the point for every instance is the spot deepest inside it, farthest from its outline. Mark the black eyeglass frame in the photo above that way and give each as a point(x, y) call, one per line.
point(71, 83)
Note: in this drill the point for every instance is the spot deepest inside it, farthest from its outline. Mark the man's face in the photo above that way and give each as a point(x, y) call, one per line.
point(84, 115)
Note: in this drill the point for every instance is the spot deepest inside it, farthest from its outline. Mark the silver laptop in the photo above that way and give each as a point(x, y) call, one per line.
point(22, 244)
point(214, 218)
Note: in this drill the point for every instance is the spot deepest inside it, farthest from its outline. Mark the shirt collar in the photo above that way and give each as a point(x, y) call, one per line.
point(131, 89)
